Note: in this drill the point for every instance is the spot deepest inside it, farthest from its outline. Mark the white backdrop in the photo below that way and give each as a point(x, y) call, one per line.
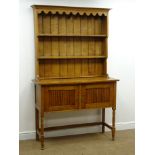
point(120, 65)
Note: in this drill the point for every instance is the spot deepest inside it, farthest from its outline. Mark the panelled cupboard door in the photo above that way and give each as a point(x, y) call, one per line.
point(97, 95)
point(58, 98)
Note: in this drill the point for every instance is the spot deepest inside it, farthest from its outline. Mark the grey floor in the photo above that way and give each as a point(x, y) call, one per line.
point(87, 144)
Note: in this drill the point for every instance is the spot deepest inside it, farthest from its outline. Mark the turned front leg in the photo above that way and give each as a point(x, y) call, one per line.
point(36, 116)
point(113, 123)
point(103, 120)
point(37, 123)
point(42, 133)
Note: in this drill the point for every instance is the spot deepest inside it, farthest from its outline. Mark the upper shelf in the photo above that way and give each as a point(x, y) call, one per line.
point(70, 35)
point(71, 57)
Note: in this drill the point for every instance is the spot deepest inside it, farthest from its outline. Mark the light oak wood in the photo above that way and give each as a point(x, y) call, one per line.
point(71, 51)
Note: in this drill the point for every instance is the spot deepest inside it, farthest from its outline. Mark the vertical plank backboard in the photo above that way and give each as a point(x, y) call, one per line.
point(69, 45)
point(98, 30)
point(104, 20)
point(48, 68)
point(84, 45)
point(41, 69)
point(91, 31)
point(62, 45)
point(77, 45)
point(55, 45)
point(40, 40)
point(54, 30)
point(47, 44)
point(46, 30)
point(98, 25)
point(99, 45)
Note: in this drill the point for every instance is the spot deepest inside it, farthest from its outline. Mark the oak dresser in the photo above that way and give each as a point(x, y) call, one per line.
point(71, 51)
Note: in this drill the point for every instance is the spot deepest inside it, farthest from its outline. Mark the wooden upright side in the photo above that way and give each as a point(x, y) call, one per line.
point(36, 43)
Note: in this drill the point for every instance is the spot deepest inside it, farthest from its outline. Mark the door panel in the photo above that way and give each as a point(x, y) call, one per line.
point(97, 95)
point(59, 98)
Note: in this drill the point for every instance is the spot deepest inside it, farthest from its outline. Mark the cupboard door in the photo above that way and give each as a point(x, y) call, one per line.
point(58, 98)
point(97, 95)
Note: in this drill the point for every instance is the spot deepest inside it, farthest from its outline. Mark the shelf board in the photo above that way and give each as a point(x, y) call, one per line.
point(70, 35)
point(74, 80)
point(71, 57)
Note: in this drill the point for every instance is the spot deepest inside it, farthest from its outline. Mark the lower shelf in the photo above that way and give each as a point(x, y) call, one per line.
point(76, 126)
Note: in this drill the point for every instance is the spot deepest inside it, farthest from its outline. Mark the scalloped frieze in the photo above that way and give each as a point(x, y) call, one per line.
point(80, 11)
